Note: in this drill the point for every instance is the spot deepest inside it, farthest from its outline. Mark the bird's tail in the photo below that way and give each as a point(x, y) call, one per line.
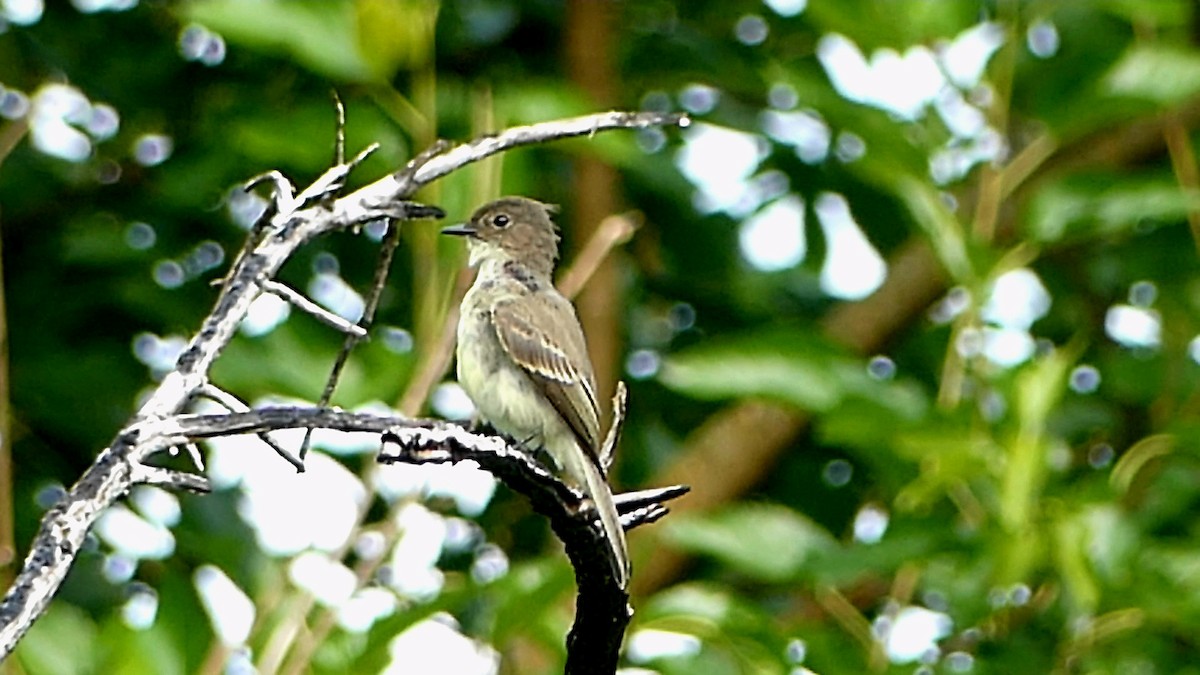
point(610, 520)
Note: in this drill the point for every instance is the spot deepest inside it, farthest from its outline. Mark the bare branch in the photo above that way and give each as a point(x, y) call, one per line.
point(179, 480)
point(602, 607)
point(283, 192)
point(415, 441)
point(222, 398)
point(313, 309)
point(362, 155)
point(391, 240)
point(480, 148)
point(234, 404)
point(629, 502)
point(193, 452)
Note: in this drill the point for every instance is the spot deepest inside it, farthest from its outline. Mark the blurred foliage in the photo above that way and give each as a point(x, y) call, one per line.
point(1020, 465)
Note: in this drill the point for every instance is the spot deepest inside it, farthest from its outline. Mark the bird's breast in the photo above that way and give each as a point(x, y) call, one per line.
point(502, 392)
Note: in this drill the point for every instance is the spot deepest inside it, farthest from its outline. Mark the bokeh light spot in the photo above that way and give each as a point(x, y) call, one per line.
point(786, 7)
point(1042, 38)
point(169, 274)
point(881, 368)
point(229, 609)
point(773, 239)
point(1132, 326)
point(266, 313)
point(699, 99)
point(1143, 294)
point(152, 149)
point(397, 340)
point(642, 364)
point(837, 473)
point(1100, 455)
point(649, 644)
point(783, 96)
point(140, 236)
point(450, 401)
point(751, 30)
point(1084, 379)
point(870, 524)
point(140, 610)
point(853, 269)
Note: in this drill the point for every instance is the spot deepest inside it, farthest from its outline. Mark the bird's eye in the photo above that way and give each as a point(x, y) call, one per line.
point(500, 220)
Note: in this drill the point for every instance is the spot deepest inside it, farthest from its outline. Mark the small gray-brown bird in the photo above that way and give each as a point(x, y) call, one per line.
point(521, 353)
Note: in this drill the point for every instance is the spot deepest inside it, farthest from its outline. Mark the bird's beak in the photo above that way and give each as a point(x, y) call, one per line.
point(460, 230)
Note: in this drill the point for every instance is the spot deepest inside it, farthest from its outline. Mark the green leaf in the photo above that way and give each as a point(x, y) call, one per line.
point(395, 34)
point(1071, 555)
point(791, 365)
point(1159, 13)
point(905, 541)
point(1180, 564)
point(321, 35)
point(939, 223)
point(1156, 73)
point(1037, 390)
point(892, 24)
point(536, 583)
point(41, 651)
point(131, 652)
point(1040, 386)
point(950, 453)
point(1086, 206)
point(1112, 542)
point(767, 542)
point(736, 636)
point(698, 602)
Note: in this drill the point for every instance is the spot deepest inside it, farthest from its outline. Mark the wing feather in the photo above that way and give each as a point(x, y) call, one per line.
point(554, 355)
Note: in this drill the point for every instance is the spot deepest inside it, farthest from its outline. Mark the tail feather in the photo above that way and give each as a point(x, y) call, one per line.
point(601, 495)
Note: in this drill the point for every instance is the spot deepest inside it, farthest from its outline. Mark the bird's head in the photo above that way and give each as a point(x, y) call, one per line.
point(512, 228)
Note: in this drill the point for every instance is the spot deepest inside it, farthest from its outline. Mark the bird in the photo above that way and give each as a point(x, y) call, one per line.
point(522, 357)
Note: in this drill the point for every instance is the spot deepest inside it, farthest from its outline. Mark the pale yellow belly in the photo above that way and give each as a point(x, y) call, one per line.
point(503, 394)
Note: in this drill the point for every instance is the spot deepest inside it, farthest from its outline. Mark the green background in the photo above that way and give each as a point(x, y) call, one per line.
point(1051, 519)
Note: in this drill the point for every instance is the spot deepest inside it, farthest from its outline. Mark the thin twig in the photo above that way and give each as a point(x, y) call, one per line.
point(234, 404)
point(387, 252)
point(330, 183)
point(383, 264)
point(302, 651)
point(486, 146)
point(178, 480)
point(339, 132)
point(313, 309)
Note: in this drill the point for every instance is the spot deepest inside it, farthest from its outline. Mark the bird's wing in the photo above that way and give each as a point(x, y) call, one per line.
point(554, 355)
